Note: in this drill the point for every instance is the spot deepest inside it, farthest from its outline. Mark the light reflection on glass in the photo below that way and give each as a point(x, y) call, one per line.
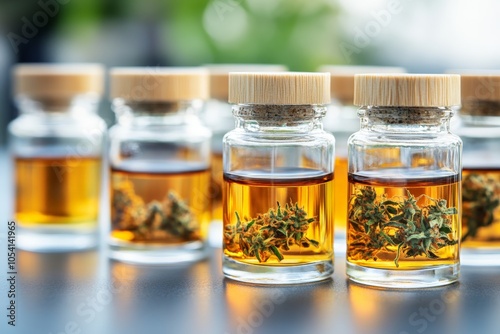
point(122, 278)
point(259, 308)
point(365, 304)
point(410, 310)
point(238, 300)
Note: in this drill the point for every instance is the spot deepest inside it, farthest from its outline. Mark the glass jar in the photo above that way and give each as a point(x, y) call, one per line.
point(218, 117)
point(479, 128)
point(160, 165)
point(56, 145)
point(278, 179)
point(342, 121)
point(404, 194)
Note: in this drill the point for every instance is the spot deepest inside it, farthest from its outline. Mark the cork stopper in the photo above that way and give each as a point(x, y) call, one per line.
point(407, 90)
point(342, 82)
point(219, 76)
point(58, 81)
point(286, 88)
point(159, 83)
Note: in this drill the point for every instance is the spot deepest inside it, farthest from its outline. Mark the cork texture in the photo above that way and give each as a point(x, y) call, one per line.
point(406, 115)
point(485, 108)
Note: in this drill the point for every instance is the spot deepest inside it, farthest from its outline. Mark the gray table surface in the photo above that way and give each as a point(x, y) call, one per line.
point(85, 292)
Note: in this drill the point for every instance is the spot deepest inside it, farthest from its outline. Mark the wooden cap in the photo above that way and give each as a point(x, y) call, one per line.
point(159, 83)
point(407, 90)
point(58, 80)
point(219, 76)
point(285, 88)
point(481, 86)
point(342, 85)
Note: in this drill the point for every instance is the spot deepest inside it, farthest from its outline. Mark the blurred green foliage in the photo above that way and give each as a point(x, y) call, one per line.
point(297, 33)
point(300, 34)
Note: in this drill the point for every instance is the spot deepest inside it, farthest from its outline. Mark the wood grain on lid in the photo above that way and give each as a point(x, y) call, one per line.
point(409, 90)
point(279, 88)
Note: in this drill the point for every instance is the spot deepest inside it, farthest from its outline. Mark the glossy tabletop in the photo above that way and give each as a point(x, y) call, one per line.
point(85, 292)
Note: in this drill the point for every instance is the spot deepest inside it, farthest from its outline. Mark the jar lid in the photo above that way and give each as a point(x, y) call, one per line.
point(483, 86)
point(219, 76)
point(407, 90)
point(275, 88)
point(58, 80)
point(342, 85)
point(159, 83)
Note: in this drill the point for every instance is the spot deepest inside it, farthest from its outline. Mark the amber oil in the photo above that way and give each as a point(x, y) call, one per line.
point(481, 208)
point(426, 191)
point(57, 191)
point(159, 208)
point(250, 196)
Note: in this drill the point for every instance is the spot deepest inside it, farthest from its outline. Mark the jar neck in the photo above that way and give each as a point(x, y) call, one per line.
point(480, 112)
point(145, 113)
point(405, 119)
point(73, 105)
point(279, 118)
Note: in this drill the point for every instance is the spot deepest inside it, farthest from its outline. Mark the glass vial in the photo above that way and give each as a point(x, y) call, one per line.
point(278, 179)
point(218, 117)
point(342, 121)
point(479, 128)
point(404, 196)
point(56, 145)
point(160, 165)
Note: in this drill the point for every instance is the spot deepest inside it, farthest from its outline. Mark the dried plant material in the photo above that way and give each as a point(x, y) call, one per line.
point(270, 233)
point(168, 220)
point(397, 226)
point(480, 198)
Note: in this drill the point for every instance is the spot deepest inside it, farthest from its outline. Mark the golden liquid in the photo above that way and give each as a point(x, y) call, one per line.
point(447, 188)
point(57, 190)
point(216, 186)
point(252, 196)
point(486, 236)
point(340, 190)
point(389, 157)
point(142, 190)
